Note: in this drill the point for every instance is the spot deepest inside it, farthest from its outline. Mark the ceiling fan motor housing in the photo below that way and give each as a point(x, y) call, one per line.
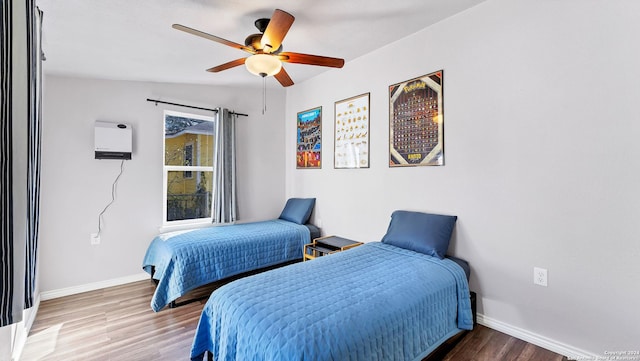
point(253, 41)
point(261, 24)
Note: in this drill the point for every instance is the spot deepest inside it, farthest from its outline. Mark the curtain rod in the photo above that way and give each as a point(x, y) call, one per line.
point(191, 106)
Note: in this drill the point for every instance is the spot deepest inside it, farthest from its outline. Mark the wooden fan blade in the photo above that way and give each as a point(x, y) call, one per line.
point(298, 58)
point(225, 66)
point(283, 78)
point(217, 39)
point(278, 27)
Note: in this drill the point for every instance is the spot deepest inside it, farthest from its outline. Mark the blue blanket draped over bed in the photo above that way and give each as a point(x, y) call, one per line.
point(373, 302)
point(184, 260)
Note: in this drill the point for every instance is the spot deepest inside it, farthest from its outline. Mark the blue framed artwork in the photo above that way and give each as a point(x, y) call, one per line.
point(309, 139)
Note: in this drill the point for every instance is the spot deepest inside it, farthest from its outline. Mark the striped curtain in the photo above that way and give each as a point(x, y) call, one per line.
point(12, 247)
point(34, 36)
point(224, 168)
point(7, 314)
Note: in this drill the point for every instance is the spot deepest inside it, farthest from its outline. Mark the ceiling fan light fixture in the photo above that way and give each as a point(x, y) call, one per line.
point(263, 65)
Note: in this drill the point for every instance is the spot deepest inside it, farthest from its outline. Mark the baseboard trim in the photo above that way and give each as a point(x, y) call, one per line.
point(48, 295)
point(572, 353)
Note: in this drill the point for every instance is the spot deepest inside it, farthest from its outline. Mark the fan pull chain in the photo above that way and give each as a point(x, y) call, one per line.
point(264, 94)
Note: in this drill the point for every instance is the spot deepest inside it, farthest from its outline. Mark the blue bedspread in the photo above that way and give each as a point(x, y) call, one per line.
point(373, 302)
point(185, 260)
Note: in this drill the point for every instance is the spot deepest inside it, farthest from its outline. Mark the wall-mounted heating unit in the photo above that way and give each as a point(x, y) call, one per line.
point(113, 140)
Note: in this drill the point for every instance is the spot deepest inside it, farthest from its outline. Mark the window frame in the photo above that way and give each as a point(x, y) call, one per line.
point(182, 168)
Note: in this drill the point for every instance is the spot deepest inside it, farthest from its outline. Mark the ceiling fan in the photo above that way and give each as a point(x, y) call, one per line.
point(266, 49)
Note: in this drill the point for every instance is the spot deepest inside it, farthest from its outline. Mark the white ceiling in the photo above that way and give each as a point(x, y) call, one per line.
point(133, 39)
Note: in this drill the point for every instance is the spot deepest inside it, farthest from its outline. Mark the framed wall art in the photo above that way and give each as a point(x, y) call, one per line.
point(351, 146)
point(309, 139)
point(416, 122)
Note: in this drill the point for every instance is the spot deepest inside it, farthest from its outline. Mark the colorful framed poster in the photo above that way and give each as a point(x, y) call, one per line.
point(416, 122)
point(309, 144)
point(351, 146)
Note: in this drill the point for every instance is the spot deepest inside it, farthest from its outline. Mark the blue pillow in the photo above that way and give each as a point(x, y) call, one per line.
point(421, 232)
point(298, 210)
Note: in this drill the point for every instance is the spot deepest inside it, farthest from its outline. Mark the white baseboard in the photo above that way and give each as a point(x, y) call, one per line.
point(570, 352)
point(48, 295)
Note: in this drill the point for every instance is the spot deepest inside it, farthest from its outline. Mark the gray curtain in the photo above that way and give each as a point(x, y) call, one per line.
point(224, 168)
point(19, 213)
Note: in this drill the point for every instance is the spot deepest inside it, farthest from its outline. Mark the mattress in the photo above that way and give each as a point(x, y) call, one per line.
point(314, 232)
point(463, 264)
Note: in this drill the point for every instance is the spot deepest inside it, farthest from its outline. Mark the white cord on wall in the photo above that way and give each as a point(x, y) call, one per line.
point(113, 198)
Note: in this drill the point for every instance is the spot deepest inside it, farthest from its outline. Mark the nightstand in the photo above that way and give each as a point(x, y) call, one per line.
point(326, 245)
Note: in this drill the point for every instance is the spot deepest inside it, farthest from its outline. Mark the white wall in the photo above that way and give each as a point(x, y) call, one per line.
point(541, 147)
point(76, 187)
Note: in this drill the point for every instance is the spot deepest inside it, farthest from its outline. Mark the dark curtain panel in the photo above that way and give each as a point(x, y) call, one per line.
point(6, 168)
point(34, 24)
point(10, 292)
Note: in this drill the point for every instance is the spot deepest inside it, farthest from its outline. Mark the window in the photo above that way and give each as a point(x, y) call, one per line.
point(188, 168)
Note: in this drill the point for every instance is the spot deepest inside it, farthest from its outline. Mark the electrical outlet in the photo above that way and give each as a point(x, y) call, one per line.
point(540, 276)
point(95, 239)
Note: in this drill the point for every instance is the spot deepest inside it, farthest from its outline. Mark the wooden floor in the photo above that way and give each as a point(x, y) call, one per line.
point(117, 323)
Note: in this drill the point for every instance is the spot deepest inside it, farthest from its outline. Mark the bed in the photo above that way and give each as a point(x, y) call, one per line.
point(184, 260)
point(398, 299)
